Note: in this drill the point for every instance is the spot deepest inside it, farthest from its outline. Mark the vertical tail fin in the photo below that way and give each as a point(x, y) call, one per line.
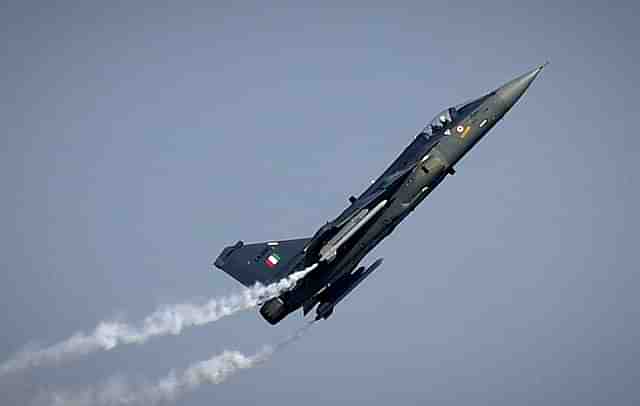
point(264, 262)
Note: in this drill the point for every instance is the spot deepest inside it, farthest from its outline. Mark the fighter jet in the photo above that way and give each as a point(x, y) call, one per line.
point(328, 261)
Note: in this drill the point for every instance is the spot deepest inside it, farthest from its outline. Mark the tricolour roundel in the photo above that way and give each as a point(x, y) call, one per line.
point(459, 128)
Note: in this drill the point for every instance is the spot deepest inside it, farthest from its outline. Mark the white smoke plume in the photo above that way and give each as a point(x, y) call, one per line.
point(212, 371)
point(164, 321)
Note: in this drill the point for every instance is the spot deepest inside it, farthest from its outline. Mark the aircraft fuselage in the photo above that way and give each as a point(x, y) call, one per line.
point(340, 245)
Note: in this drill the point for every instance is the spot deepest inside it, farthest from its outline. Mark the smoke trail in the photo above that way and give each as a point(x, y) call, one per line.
point(164, 321)
point(212, 371)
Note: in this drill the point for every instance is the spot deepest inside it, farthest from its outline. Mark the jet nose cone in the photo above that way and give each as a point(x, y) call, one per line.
point(511, 91)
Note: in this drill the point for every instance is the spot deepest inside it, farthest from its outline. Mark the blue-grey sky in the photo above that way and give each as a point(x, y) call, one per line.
point(140, 138)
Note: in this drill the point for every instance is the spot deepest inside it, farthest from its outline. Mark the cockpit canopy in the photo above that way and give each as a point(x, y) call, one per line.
point(441, 121)
point(446, 117)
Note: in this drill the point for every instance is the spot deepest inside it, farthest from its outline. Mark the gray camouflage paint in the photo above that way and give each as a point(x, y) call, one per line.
point(123, 127)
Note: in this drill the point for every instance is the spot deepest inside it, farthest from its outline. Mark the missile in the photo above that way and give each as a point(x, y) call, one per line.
point(337, 291)
point(330, 250)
